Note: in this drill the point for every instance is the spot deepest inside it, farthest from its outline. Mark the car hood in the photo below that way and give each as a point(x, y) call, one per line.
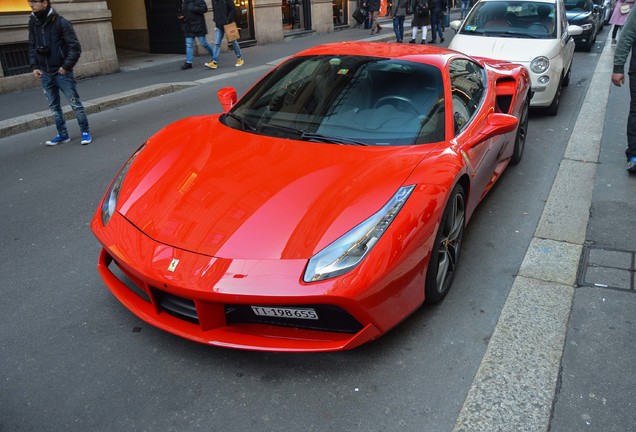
point(511, 49)
point(203, 187)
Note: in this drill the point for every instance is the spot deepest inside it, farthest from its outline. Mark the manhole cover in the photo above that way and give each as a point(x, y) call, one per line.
point(607, 268)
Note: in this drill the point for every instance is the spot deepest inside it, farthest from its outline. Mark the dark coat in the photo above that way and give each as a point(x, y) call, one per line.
point(56, 34)
point(419, 21)
point(193, 12)
point(224, 12)
point(372, 5)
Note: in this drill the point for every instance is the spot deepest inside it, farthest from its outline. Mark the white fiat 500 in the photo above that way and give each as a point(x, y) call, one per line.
point(534, 33)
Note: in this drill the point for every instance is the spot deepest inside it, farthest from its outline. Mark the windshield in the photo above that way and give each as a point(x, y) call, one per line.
point(578, 6)
point(349, 100)
point(518, 19)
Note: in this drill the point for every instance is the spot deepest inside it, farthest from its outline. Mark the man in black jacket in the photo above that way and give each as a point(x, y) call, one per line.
point(224, 13)
point(191, 13)
point(54, 51)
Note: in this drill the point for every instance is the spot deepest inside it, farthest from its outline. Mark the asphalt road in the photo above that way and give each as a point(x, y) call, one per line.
point(74, 359)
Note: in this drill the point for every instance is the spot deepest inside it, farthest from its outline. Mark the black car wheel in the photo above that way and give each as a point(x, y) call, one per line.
point(553, 109)
point(522, 131)
point(448, 242)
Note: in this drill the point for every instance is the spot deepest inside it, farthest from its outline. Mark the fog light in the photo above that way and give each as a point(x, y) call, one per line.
point(544, 79)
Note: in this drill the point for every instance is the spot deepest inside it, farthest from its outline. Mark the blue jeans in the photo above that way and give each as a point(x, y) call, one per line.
point(52, 84)
point(218, 37)
point(436, 26)
point(190, 45)
point(398, 27)
point(465, 7)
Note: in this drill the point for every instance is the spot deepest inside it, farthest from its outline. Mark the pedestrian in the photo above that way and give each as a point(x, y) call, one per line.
point(191, 13)
point(627, 44)
point(54, 51)
point(438, 8)
point(465, 7)
point(398, 12)
point(373, 7)
point(421, 19)
point(622, 8)
point(224, 13)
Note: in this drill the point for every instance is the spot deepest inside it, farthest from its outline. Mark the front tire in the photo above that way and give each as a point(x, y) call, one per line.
point(553, 109)
point(448, 242)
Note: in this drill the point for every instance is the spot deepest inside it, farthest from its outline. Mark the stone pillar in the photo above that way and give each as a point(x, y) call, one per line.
point(268, 22)
point(322, 16)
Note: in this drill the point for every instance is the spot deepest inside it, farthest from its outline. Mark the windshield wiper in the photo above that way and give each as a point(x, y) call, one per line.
point(244, 123)
point(311, 136)
point(509, 33)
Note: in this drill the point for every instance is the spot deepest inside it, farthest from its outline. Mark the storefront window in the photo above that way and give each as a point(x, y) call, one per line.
point(244, 20)
point(295, 15)
point(339, 12)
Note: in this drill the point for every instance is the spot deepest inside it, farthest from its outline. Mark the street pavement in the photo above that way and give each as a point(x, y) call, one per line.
point(561, 356)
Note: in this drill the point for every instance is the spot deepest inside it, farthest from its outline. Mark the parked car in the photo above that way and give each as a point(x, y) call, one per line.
point(534, 33)
point(323, 207)
point(587, 15)
point(605, 11)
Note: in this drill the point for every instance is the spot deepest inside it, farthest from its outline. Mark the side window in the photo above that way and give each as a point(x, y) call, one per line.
point(467, 89)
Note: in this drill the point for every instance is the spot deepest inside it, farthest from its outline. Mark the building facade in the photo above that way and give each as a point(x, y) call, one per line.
point(104, 26)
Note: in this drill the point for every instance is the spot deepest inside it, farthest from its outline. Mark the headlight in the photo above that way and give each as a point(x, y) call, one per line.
point(348, 251)
point(586, 27)
point(540, 64)
point(110, 200)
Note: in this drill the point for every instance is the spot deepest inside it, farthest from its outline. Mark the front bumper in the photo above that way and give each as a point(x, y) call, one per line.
point(208, 300)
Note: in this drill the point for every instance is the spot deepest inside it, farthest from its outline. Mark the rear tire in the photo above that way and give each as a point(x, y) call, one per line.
point(522, 131)
point(448, 242)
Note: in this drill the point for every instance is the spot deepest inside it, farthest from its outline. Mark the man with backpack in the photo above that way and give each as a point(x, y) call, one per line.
point(421, 19)
point(54, 51)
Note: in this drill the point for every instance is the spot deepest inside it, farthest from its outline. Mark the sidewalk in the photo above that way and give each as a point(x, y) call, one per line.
point(561, 356)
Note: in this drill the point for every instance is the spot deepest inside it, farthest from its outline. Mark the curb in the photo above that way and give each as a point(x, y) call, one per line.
point(40, 119)
point(516, 383)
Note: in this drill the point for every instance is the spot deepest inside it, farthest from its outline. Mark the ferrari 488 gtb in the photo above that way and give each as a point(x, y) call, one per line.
point(323, 207)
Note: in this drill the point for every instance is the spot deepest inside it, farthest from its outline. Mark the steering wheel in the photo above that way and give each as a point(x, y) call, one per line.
point(385, 100)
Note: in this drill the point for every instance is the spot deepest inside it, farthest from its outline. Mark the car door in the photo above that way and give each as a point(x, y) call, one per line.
point(567, 41)
point(468, 90)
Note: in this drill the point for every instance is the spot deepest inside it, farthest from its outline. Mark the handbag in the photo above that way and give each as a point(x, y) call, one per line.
point(231, 31)
point(624, 9)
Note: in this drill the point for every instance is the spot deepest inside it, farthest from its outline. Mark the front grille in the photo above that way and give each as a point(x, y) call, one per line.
point(176, 306)
point(330, 318)
point(14, 59)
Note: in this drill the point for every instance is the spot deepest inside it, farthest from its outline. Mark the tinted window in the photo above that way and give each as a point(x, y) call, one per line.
point(374, 101)
point(468, 88)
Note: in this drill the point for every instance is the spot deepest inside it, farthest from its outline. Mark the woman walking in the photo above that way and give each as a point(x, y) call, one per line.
point(622, 9)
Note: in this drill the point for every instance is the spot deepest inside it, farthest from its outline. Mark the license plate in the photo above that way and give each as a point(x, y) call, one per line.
point(280, 312)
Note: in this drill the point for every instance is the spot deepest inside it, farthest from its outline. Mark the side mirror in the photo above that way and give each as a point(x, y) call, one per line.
point(227, 97)
point(574, 30)
point(496, 124)
point(455, 25)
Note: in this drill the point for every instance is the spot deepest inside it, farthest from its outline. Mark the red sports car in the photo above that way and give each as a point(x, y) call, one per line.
point(323, 207)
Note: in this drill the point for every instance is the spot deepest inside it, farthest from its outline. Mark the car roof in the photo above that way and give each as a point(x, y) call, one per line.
point(429, 54)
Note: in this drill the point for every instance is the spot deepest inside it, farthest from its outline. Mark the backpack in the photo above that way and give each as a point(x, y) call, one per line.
point(422, 9)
